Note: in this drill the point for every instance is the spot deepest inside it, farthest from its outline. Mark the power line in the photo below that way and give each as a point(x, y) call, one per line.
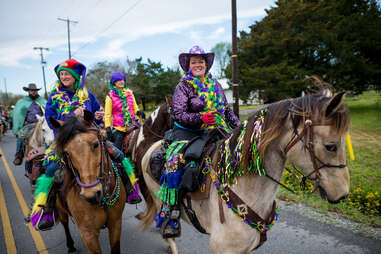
point(108, 27)
point(68, 31)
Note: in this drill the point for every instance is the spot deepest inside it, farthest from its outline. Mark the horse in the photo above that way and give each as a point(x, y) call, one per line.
point(307, 131)
point(93, 193)
point(42, 136)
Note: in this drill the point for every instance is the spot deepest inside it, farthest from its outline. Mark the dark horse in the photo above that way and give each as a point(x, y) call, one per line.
point(92, 193)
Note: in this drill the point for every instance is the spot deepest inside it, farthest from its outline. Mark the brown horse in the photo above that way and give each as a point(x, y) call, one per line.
point(307, 131)
point(93, 192)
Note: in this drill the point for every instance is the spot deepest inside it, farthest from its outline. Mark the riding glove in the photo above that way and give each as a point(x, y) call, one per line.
point(208, 118)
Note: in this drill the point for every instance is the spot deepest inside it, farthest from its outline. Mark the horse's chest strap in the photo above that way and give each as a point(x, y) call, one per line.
point(248, 216)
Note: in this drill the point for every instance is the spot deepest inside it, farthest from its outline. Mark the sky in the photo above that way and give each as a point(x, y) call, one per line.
point(110, 30)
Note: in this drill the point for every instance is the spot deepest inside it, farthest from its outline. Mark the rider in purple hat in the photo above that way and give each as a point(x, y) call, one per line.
point(199, 110)
point(120, 118)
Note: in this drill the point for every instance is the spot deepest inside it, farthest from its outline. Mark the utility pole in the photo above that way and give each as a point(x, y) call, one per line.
point(43, 64)
point(234, 59)
point(68, 31)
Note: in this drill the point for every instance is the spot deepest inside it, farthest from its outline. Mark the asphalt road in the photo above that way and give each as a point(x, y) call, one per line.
point(294, 233)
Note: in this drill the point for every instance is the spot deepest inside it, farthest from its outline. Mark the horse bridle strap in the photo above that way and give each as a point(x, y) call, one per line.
point(75, 172)
point(308, 129)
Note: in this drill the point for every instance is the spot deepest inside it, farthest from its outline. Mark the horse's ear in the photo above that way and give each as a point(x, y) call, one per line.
point(326, 91)
point(88, 116)
point(168, 100)
point(57, 124)
point(40, 118)
point(334, 103)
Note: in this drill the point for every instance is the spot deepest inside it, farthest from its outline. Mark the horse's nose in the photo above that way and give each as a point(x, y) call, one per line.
point(94, 199)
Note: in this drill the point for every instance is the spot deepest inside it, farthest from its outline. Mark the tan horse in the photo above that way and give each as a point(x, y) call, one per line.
point(307, 131)
point(93, 192)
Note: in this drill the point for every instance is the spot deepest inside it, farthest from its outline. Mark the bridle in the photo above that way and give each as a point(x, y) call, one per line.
point(307, 132)
point(100, 178)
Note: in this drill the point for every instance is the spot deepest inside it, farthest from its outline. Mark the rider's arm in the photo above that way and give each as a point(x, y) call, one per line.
point(108, 112)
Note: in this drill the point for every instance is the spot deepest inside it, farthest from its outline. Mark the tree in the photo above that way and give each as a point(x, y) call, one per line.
point(221, 55)
point(337, 40)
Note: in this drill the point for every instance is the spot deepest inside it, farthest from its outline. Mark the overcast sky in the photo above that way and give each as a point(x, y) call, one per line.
point(110, 30)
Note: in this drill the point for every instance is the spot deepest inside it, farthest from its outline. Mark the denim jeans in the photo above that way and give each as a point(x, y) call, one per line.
point(19, 145)
point(118, 137)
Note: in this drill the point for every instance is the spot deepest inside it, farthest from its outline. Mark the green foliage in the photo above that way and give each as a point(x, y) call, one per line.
point(338, 40)
point(149, 81)
point(221, 57)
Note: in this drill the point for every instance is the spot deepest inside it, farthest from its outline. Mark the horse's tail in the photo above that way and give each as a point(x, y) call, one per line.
point(147, 218)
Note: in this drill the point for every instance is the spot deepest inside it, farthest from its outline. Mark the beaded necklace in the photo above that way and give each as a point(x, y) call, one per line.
point(64, 104)
point(207, 90)
point(122, 94)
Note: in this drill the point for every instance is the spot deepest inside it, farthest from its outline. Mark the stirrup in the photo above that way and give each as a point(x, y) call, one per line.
point(171, 228)
point(44, 216)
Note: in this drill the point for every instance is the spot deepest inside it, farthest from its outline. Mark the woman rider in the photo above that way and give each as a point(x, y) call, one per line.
point(68, 97)
point(199, 106)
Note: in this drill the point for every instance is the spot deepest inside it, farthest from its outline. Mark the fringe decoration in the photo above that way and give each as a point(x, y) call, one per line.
point(41, 194)
point(130, 171)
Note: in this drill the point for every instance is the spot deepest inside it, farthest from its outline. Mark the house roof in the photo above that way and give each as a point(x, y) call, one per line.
point(224, 83)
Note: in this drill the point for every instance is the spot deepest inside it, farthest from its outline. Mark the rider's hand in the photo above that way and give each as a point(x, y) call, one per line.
point(99, 114)
point(79, 111)
point(208, 118)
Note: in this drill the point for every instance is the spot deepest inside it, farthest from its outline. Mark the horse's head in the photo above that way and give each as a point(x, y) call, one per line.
point(314, 141)
point(47, 133)
point(81, 146)
point(309, 132)
point(160, 120)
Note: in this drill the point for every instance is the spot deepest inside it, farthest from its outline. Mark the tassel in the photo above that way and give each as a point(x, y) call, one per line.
point(130, 171)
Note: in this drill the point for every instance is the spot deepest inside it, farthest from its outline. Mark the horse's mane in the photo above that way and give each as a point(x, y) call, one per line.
point(35, 139)
point(312, 107)
point(72, 126)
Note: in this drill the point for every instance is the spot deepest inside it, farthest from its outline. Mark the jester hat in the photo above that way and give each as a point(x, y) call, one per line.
point(75, 68)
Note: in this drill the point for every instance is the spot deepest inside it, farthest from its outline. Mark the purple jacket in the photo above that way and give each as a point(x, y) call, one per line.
point(187, 107)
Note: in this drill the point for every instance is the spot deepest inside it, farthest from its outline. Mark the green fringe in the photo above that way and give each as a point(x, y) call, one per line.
point(129, 170)
point(166, 195)
point(43, 184)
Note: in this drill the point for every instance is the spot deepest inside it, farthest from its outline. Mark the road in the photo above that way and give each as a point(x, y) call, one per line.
point(294, 233)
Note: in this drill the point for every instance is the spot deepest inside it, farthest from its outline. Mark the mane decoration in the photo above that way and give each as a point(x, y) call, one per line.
point(234, 162)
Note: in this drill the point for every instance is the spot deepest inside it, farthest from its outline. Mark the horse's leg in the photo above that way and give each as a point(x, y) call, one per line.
point(114, 232)
point(64, 218)
point(90, 238)
point(172, 245)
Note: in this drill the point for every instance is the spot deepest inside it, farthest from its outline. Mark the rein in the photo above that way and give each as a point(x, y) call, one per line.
point(307, 132)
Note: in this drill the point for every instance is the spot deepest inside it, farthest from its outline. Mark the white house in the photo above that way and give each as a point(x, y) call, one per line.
point(253, 98)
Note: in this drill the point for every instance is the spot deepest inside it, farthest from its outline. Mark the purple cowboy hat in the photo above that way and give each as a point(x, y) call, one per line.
point(194, 51)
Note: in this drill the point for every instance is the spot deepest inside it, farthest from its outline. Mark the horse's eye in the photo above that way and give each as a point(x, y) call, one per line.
point(95, 145)
point(331, 147)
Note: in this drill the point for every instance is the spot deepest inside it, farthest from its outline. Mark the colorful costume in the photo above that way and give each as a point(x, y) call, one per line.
point(120, 111)
point(199, 105)
point(61, 103)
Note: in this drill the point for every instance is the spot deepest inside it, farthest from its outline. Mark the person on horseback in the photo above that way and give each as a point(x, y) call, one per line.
point(120, 119)
point(24, 116)
point(199, 107)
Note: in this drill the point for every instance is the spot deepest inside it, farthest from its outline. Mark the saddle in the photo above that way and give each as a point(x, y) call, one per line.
point(34, 161)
